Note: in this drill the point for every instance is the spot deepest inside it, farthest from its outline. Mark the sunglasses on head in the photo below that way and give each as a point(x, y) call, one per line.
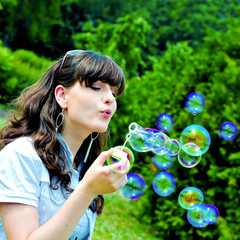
point(71, 52)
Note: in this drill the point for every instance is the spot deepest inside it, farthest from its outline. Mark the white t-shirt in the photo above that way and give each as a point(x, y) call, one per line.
point(24, 179)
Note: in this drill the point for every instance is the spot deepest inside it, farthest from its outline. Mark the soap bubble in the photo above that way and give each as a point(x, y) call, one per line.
point(199, 216)
point(161, 151)
point(190, 196)
point(157, 140)
point(190, 155)
point(139, 138)
point(164, 122)
point(195, 103)
point(164, 161)
point(117, 155)
point(134, 188)
point(152, 130)
point(228, 131)
point(214, 213)
point(164, 184)
point(172, 147)
point(198, 135)
point(160, 139)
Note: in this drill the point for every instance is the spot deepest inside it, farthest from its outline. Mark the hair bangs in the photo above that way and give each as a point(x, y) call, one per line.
point(95, 67)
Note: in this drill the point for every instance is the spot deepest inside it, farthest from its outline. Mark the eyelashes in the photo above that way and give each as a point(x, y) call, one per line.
point(95, 88)
point(98, 89)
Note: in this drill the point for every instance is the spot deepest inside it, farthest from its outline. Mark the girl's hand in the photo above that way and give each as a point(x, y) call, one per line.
point(101, 179)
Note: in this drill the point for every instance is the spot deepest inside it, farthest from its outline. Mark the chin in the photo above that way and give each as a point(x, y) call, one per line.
point(101, 129)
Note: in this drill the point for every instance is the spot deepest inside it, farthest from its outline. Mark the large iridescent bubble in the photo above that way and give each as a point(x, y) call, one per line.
point(164, 184)
point(157, 139)
point(140, 139)
point(190, 196)
point(163, 161)
point(161, 139)
point(195, 102)
point(198, 135)
point(228, 131)
point(199, 216)
point(190, 155)
point(164, 122)
point(134, 188)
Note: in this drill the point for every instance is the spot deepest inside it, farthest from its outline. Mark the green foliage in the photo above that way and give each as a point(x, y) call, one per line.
point(5, 3)
point(8, 82)
point(28, 23)
point(34, 67)
point(47, 26)
point(186, 19)
point(122, 40)
point(19, 69)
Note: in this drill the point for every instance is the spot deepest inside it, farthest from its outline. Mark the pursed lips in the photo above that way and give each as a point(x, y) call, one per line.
point(107, 113)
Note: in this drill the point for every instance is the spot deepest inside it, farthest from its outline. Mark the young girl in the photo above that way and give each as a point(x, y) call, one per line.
point(51, 166)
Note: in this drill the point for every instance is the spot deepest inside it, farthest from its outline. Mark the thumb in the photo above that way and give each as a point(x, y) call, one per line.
point(103, 157)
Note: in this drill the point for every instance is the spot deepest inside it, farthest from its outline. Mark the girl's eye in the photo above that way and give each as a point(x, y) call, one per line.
point(95, 88)
point(98, 89)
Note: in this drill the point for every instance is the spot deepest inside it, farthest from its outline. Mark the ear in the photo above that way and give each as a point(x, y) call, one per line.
point(60, 95)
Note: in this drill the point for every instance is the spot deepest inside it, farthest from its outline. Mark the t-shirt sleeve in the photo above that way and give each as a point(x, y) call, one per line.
point(19, 173)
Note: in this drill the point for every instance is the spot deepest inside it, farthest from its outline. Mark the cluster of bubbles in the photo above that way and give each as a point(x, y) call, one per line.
point(193, 143)
point(198, 214)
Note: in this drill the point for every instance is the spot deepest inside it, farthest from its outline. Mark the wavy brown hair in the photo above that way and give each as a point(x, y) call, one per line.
point(36, 110)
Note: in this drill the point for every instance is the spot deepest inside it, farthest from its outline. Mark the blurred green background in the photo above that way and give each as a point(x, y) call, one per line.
point(168, 49)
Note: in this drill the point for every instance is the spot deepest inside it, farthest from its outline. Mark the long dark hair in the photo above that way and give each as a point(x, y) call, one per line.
point(36, 110)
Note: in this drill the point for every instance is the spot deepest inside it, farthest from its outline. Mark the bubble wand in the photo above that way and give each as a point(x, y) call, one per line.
point(128, 136)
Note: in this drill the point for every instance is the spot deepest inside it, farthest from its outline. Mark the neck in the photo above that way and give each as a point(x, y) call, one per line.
point(74, 141)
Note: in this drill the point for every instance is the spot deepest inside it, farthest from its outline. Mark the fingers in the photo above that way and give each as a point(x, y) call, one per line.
point(103, 157)
point(122, 166)
point(124, 181)
point(117, 181)
point(103, 179)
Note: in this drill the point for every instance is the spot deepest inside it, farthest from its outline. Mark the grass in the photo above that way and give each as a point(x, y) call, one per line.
point(118, 222)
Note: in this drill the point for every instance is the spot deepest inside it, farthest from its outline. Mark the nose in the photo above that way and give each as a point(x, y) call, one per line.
point(108, 97)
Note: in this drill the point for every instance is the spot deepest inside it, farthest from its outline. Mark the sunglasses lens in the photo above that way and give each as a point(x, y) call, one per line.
point(71, 53)
point(74, 51)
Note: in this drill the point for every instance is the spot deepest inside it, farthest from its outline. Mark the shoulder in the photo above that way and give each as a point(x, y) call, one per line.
point(23, 145)
point(20, 152)
point(21, 171)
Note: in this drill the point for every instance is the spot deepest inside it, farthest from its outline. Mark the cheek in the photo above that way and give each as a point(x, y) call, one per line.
point(115, 107)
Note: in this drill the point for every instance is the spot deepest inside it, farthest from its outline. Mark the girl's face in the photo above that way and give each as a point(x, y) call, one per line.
point(89, 109)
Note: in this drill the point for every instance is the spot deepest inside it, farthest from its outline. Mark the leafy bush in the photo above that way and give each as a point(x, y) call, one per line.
point(19, 69)
point(123, 40)
point(8, 82)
